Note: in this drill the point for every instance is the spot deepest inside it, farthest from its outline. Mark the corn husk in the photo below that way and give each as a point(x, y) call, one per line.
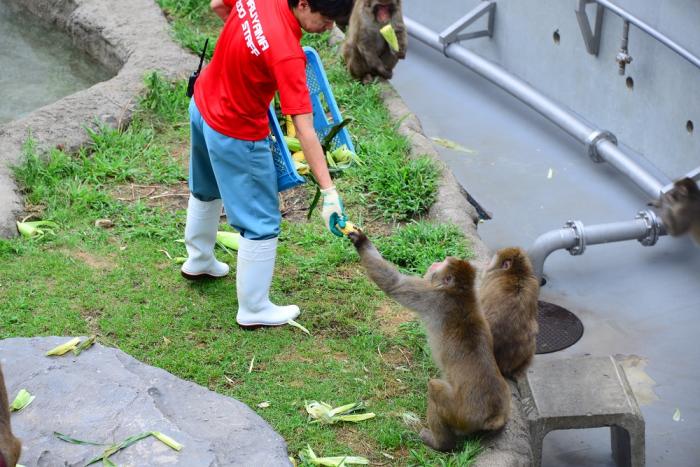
point(301, 168)
point(389, 36)
point(322, 412)
point(291, 322)
point(21, 401)
point(293, 144)
point(165, 439)
point(84, 345)
point(228, 239)
point(36, 229)
point(308, 455)
point(65, 347)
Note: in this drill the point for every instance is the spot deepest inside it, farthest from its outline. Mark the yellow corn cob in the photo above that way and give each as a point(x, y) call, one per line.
point(349, 227)
point(291, 130)
point(299, 156)
point(63, 348)
point(389, 36)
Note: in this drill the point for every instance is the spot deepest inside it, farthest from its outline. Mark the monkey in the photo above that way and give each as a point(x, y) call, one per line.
point(471, 395)
point(680, 209)
point(366, 52)
point(508, 295)
point(10, 447)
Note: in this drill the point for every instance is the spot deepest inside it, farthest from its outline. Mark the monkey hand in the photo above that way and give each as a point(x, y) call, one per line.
point(357, 237)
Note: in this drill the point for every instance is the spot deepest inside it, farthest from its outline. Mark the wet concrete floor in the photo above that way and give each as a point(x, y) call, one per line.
point(642, 303)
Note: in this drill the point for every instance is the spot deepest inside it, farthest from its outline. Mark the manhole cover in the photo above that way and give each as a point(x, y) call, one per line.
point(559, 328)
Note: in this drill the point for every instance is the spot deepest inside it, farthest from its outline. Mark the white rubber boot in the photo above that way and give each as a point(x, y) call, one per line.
point(200, 238)
point(254, 268)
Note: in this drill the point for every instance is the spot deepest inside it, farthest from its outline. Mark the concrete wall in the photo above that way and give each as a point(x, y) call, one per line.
point(651, 118)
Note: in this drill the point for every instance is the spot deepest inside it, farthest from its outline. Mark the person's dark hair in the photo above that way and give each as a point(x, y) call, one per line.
point(332, 9)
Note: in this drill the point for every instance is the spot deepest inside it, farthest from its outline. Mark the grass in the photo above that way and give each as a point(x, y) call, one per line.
point(120, 284)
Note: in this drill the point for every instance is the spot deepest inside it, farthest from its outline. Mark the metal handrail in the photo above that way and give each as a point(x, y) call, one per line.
point(668, 42)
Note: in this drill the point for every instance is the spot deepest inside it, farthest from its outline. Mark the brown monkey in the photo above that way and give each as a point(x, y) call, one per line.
point(680, 209)
point(508, 296)
point(10, 447)
point(366, 52)
point(471, 394)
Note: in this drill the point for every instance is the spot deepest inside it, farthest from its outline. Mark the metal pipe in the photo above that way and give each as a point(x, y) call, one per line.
point(599, 142)
point(574, 237)
point(651, 31)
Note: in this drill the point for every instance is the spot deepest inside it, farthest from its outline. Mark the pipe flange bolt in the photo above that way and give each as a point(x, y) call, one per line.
point(593, 140)
point(654, 227)
point(580, 247)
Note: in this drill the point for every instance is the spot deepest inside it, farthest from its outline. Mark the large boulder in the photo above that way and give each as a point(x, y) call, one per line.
point(105, 395)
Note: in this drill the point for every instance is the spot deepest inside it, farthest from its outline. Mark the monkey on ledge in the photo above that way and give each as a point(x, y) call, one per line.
point(471, 395)
point(366, 52)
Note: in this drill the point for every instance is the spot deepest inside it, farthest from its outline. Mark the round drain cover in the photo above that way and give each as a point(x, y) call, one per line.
point(559, 328)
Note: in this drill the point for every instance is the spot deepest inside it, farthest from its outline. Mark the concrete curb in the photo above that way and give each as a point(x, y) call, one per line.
point(128, 37)
point(511, 446)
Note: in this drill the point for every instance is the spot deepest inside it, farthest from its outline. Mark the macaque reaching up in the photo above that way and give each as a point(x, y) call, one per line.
point(366, 52)
point(680, 209)
point(471, 394)
point(10, 447)
point(508, 296)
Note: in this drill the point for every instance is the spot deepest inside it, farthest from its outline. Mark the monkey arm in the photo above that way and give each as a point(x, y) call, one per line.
point(410, 291)
point(369, 50)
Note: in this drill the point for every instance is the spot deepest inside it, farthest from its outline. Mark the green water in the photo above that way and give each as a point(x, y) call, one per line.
point(38, 65)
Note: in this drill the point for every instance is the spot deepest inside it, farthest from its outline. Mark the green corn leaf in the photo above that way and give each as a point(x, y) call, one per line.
point(84, 345)
point(22, 400)
point(68, 439)
point(291, 322)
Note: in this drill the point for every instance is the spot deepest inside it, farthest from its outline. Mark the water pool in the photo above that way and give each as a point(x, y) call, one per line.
point(39, 65)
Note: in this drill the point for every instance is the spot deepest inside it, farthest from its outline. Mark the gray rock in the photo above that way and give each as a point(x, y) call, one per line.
point(105, 395)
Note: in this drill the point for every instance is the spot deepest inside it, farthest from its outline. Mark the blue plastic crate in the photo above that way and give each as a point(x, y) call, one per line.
point(326, 115)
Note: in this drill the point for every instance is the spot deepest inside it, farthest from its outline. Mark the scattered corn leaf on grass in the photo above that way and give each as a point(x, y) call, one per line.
point(21, 400)
point(116, 283)
point(308, 455)
point(324, 413)
point(36, 229)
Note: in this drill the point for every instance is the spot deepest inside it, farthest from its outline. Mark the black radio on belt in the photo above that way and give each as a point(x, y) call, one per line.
point(193, 76)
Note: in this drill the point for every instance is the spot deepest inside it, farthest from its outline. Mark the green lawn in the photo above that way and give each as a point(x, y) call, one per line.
point(120, 283)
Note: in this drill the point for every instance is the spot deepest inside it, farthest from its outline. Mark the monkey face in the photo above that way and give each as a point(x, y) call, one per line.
point(383, 10)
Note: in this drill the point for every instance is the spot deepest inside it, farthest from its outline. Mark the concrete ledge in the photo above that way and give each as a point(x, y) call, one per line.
point(129, 37)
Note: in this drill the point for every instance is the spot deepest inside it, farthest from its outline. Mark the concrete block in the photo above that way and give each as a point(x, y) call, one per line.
point(583, 392)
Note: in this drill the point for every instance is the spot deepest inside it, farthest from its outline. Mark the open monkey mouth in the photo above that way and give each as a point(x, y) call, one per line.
point(382, 12)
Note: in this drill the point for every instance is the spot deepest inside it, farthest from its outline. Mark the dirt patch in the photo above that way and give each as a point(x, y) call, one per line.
point(94, 262)
point(294, 204)
point(391, 316)
point(168, 197)
point(358, 443)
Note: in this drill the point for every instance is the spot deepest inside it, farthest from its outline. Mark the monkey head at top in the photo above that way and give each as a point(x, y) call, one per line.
point(367, 54)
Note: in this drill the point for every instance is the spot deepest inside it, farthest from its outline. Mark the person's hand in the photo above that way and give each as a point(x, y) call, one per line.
point(332, 211)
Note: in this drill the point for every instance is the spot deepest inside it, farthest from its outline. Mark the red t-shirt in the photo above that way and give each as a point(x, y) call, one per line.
point(257, 54)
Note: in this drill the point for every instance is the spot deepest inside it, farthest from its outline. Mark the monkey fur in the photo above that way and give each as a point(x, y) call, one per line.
point(508, 295)
point(471, 395)
point(10, 447)
point(680, 209)
point(366, 52)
